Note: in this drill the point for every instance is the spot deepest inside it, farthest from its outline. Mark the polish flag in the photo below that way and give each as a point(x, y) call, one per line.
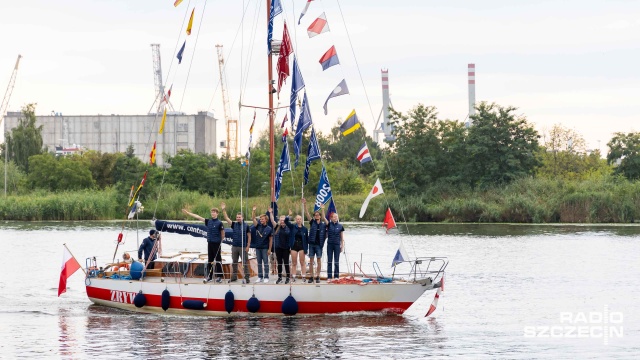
point(434, 304)
point(375, 191)
point(69, 266)
point(318, 26)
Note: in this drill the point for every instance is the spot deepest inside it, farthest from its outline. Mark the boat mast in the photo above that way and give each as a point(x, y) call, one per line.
point(270, 92)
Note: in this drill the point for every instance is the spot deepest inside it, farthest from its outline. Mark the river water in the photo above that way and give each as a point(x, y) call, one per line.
point(512, 291)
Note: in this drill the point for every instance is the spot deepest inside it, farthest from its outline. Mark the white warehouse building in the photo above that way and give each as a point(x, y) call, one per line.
point(114, 133)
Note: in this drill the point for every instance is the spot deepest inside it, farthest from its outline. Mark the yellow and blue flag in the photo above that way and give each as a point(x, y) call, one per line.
point(350, 125)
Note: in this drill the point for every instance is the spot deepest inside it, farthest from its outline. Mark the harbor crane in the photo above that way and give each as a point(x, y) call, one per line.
point(232, 125)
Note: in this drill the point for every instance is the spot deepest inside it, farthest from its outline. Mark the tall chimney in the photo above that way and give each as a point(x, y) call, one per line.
point(471, 71)
point(388, 129)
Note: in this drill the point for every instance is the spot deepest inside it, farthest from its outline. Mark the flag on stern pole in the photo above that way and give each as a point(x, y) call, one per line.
point(329, 58)
point(363, 154)
point(375, 191)
point(283, 166)
point(389, 221)
point(401, 255)
point(318, 26)
point(69, 266)
point(190, 22)
point(324, 194)
point(313, 153)
point(341, 89)
point(304, 11)
point(434, 303)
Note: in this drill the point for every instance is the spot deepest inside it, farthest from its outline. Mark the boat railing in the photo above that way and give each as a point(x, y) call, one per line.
point(425, 267)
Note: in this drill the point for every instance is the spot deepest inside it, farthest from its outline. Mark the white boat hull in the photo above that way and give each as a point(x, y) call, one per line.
point(321, 298)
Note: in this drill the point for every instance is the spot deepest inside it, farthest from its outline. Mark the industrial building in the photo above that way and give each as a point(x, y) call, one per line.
point(114, 133)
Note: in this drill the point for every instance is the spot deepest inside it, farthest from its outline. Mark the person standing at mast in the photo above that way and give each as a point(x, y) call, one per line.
point(317, 233)
point(262, 243)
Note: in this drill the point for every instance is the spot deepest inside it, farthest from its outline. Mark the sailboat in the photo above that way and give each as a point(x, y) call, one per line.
point(177, 284)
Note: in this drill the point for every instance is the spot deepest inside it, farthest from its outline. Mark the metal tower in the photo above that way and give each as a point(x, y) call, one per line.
point(385, 127)
point(232, 125)
point(3, 110)
point(156, 107)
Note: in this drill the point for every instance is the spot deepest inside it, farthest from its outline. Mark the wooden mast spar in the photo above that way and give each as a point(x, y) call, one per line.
point(271, 115)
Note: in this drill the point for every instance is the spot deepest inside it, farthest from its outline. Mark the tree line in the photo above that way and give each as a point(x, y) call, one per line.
point(428, 152)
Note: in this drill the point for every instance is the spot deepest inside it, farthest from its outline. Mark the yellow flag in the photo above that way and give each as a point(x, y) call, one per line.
point(164, 117)
point(175, 4)
point(190, 22)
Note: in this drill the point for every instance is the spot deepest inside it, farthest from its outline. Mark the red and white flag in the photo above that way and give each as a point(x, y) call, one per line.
point(69, 266)
point(318, 26)
point(434, 304)
point(282, 66)
point(375, 191)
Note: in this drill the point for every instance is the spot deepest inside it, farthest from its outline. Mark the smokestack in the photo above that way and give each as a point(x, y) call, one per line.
point(471, 71)
point(388, 129)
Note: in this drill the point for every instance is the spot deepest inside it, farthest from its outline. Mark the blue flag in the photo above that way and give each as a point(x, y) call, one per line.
point(276, 9)
point(181, 51)
point(331, 210)
point(303, 124)
point(324, 190)
point(283, 166)
point(297, 83)
point(313, 153)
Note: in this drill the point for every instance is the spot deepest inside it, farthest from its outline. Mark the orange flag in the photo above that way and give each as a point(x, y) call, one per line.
point(152, 155)
point(190, 22)
point(175, 4)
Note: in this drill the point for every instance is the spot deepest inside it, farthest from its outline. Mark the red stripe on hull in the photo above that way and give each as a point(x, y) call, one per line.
point(268, 307)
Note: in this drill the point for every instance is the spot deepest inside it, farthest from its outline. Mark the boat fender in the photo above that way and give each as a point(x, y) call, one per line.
point(253, 305)
point(136, 270)
point(194, 304)
point(289, 306)
point(140, 300)
point(229, 300)
point(166, 299)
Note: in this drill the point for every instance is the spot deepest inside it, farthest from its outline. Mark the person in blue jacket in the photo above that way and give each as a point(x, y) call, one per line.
point(150, 254)
point(281, 236)
point(298, 242)
point(262, 242)
point(240, 246)
point(317, 233)
point(335, 245)
point(215, 234)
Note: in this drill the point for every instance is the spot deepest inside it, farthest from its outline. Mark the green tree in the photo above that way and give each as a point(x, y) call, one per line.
point(426, 150)
point(59, 173)
point(564, 155)
point(25, 140)
point(502, 146)
point(624, 153)
point(102, 166)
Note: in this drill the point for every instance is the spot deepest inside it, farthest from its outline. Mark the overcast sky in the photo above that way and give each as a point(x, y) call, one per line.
point(568, 62)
